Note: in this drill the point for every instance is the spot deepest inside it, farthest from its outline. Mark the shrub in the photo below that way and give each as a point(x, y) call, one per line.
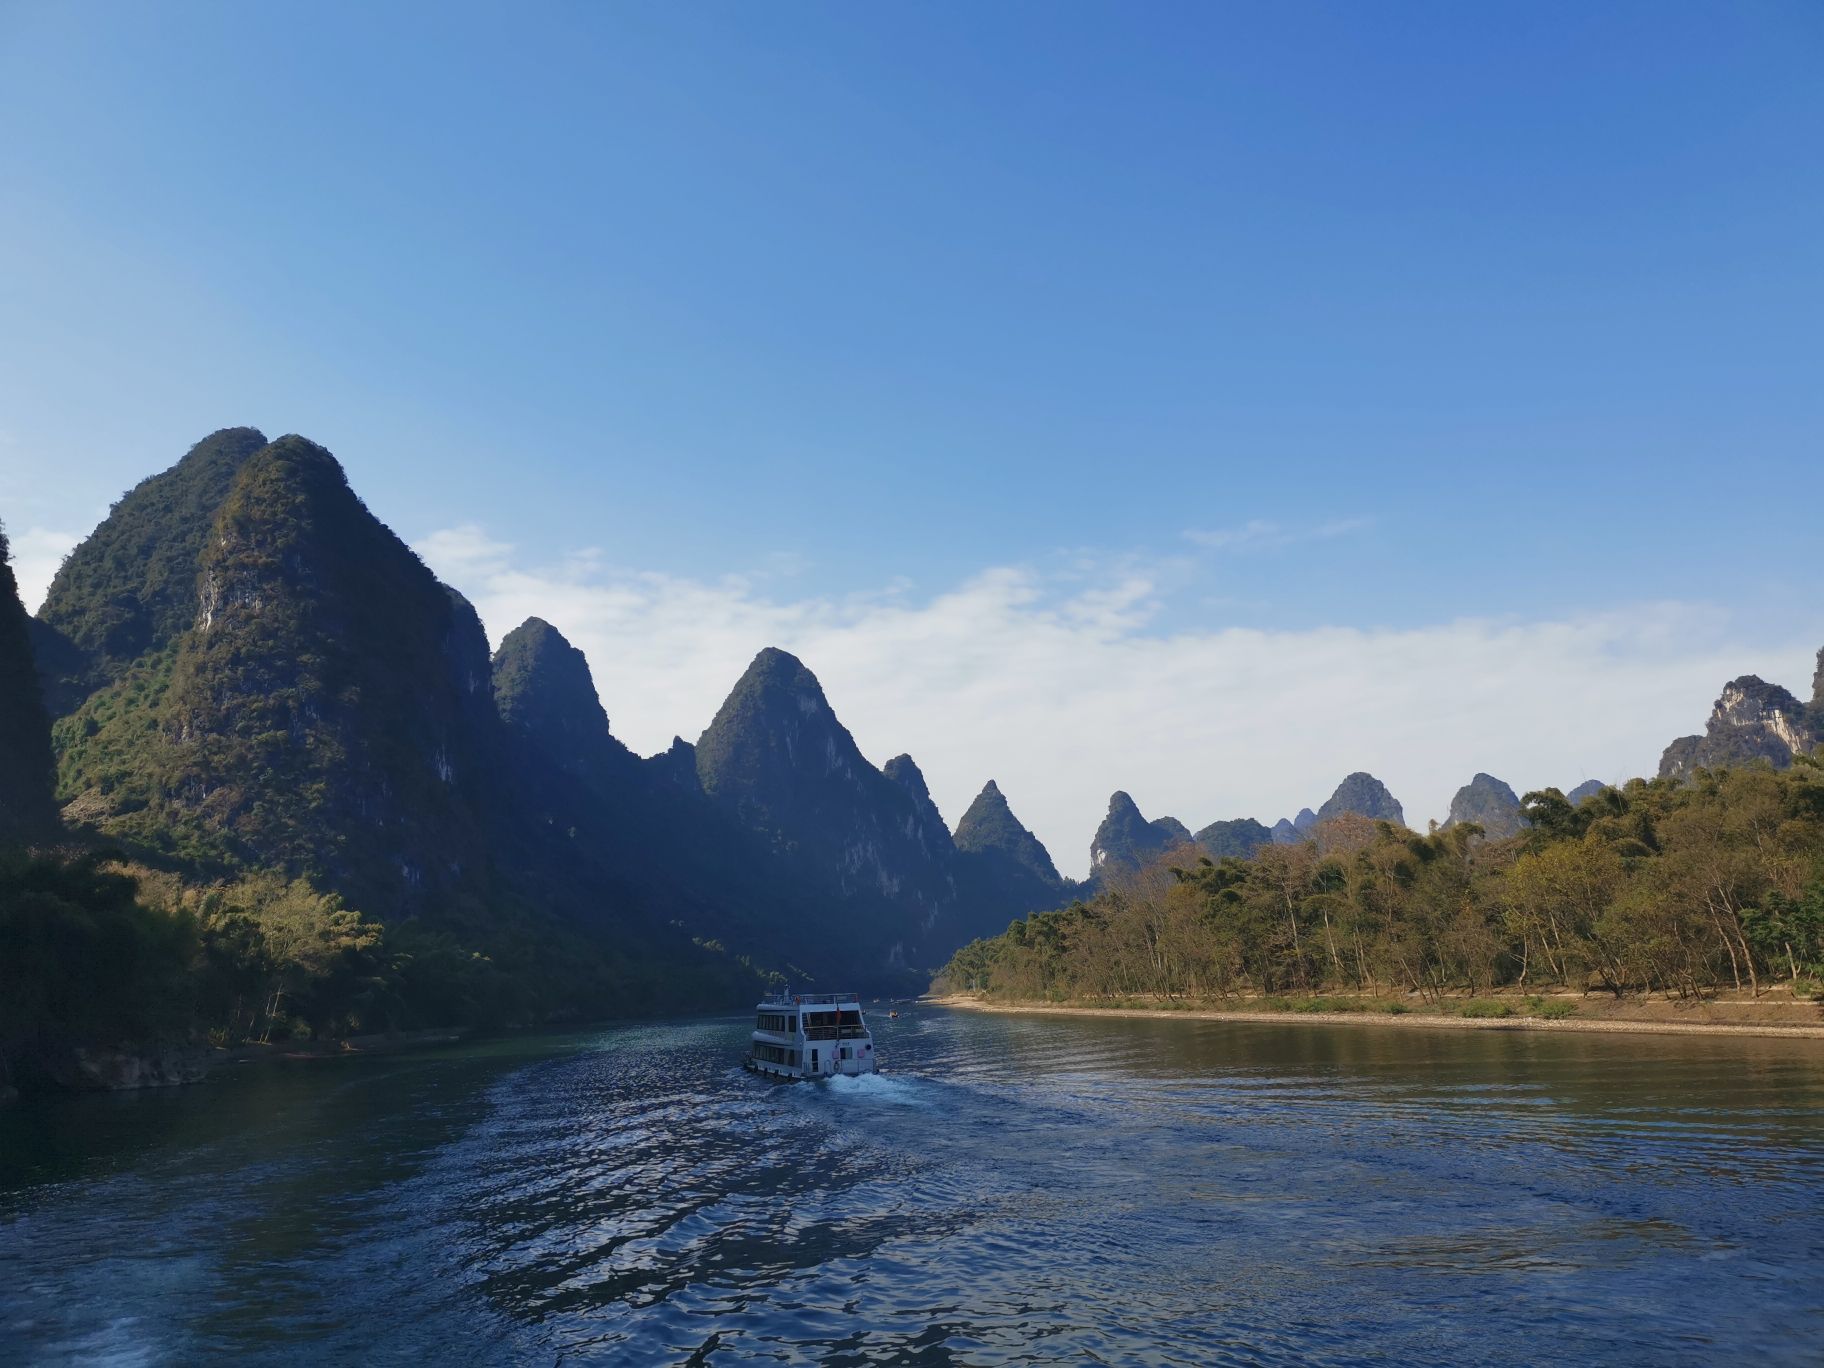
point(1486, 1008)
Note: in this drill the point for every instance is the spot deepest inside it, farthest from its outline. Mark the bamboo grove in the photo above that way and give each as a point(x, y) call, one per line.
point(1656, 887)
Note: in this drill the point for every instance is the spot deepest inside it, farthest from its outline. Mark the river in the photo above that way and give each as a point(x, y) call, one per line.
point(1015, 1189)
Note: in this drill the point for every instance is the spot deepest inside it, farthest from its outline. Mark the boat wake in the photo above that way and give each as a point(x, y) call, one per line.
point(883, 1089)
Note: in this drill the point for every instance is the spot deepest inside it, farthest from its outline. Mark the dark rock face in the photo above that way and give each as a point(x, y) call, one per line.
point(1175, 832)
point(261, 671)
point(1752, 721)
point(1490, 804)
point(676, 767)
point(777, 759)
point(96, 1069)
point(1364, 794)
point(1240, 837)
point(64, 672)
point(28, 809)
point(904, 771)
point(1292, 830)
point(1127, 841)
point(1589, 788)
point(990, 829)
point(329, 710)
point(131, 587)
point(275, 681)
point(545, 693)
point(1003, 869)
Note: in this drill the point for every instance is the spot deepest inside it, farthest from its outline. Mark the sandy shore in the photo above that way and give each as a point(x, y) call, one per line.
point(1798, 1030)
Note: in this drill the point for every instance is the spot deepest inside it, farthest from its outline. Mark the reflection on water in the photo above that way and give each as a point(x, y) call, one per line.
point(1016, 1189)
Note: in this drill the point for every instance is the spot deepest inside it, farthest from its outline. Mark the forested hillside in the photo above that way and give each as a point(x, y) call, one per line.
point(1682, 888)
point(299, 796)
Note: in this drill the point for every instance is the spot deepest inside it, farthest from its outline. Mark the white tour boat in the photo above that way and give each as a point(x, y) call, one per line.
point(811, 1035)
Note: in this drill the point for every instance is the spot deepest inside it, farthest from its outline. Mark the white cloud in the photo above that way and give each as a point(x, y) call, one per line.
point(37, 554)
point(1258, 534)
point(460, 554)
point(1056, 687)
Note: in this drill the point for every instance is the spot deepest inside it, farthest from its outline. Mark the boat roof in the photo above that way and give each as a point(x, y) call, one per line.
point(811, 999)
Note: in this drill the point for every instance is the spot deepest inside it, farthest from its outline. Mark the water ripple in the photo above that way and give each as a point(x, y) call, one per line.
point(1017, 1190)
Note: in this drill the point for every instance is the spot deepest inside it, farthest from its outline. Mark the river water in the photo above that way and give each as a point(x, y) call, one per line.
point(1015, 1189)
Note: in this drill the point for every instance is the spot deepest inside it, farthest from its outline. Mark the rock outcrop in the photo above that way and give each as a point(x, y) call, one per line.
point(1362, 793)
point(102, 1069)
point(1490, 804)
point(676, 766)
point(329, 709)
point(130, 588)
point(904, 771)
point(778, 760)
point(990, 829)
point(1589, 788)
point(1004, 870)
point(1126, 840)
point(1240, 837)
point(28, 809)
point(1292, 830)
point(1752, 721)
point(545, 693)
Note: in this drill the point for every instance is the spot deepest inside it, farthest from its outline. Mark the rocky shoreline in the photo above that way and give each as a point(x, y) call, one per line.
point(128, 1068)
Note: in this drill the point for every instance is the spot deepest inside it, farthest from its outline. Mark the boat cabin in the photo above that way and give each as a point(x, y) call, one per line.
point(811, 1035)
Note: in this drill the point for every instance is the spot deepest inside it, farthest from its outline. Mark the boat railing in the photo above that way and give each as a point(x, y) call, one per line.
point(809, 999)
point(836, 1033)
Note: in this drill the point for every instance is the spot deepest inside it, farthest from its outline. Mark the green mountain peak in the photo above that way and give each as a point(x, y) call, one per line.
point(131, 587)
point(990, 828)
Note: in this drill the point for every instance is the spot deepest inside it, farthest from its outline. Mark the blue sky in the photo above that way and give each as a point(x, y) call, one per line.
point(1290, 319)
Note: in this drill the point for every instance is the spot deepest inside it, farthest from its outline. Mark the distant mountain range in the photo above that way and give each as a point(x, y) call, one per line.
point(246, 669)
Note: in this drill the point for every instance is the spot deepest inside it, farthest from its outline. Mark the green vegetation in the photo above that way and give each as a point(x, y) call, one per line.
point(81, 960)
point(131, 587)
point(26, 767)
point(1662, 886)
point(296, 708)
point(989, 829)
point(283, 730)
point(98, 951)
point(1486, 1009)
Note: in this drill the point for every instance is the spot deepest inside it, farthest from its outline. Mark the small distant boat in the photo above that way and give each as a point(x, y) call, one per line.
point(892, 1016)
point(811, 1035)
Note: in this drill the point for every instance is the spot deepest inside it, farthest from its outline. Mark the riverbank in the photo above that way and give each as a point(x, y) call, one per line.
point(291, 1051)
point(1790, 1019)
point(133, 1068)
